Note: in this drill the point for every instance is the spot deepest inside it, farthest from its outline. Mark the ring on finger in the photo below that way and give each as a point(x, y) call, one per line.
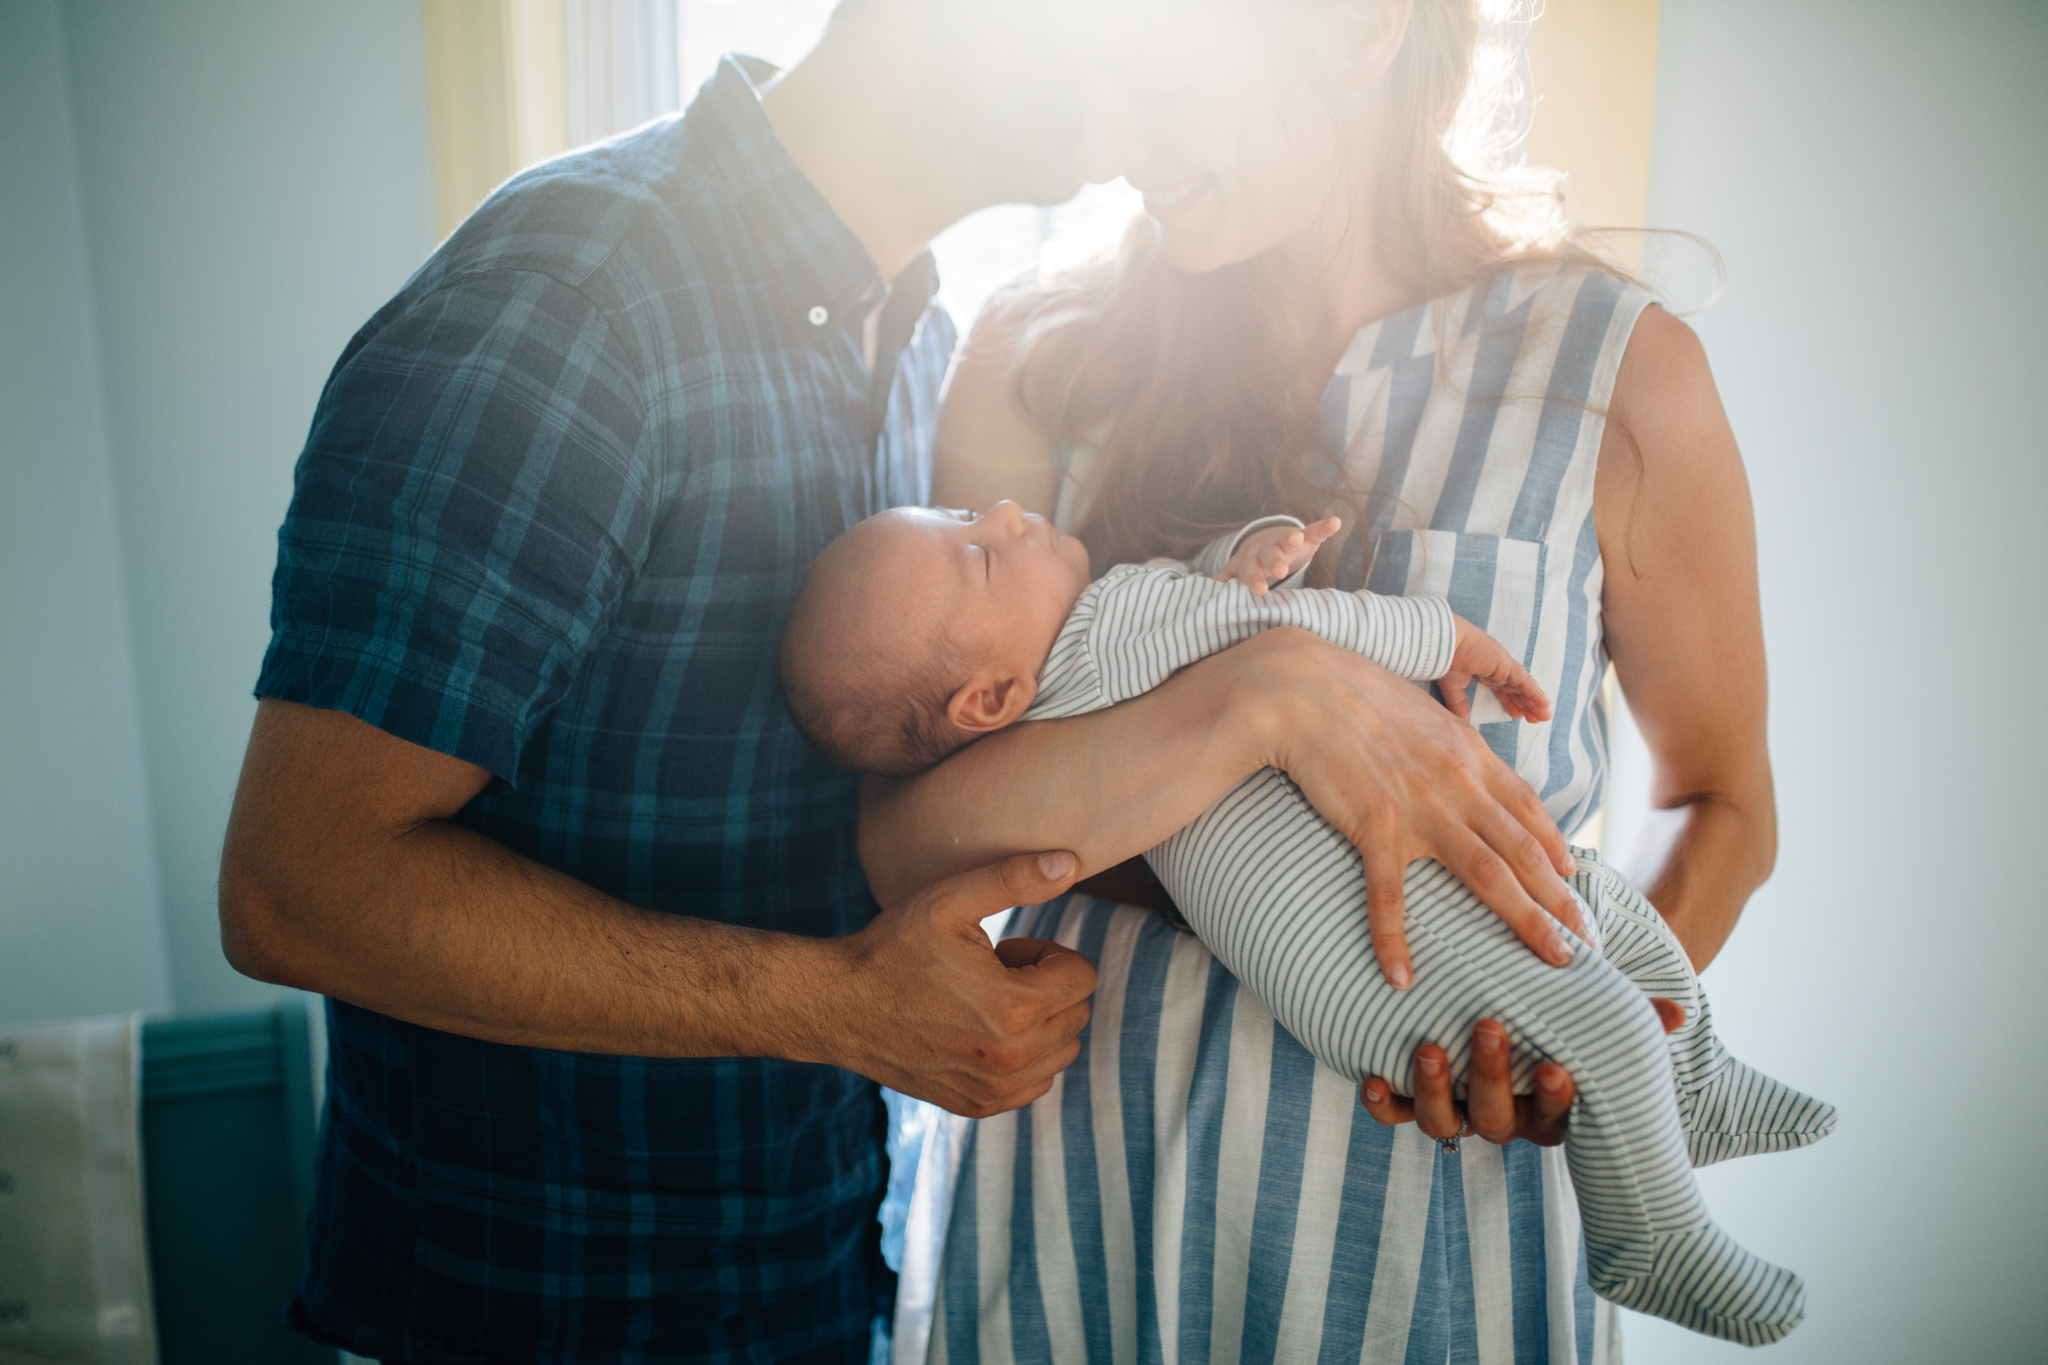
point(1449, 1146)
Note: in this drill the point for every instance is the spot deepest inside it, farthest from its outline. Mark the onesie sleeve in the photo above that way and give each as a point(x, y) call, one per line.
point(1143, 624)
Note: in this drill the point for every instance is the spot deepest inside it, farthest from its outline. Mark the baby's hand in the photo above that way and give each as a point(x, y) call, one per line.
point(1273, 554)
point(1479, 655)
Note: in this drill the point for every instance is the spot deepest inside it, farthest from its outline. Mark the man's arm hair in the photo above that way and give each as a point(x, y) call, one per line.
point(343, 874)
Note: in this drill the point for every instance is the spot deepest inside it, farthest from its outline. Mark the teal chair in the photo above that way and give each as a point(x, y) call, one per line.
point(229, 1120)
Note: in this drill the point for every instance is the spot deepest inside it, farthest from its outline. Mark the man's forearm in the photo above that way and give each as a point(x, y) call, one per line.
point(1107, 785)
point(448, 929)
point(340, 876)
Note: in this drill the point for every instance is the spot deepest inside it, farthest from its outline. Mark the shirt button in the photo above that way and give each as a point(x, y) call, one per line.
point(819, 317)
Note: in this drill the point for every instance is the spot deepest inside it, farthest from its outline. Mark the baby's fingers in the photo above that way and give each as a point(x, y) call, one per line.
point(1519, 693)
point(1273, 564)
point(1455, 686)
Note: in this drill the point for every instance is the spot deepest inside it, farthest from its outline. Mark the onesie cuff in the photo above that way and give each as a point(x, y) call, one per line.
point(1217, 552)
point(1415, 637)
point(1440, 635)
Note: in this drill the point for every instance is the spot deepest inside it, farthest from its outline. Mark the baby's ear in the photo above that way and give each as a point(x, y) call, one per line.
point(985, 704)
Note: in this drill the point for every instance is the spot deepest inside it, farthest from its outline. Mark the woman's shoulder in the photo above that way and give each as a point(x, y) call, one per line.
point(1568, 295)
point(1538, 309)
point(1664, 381)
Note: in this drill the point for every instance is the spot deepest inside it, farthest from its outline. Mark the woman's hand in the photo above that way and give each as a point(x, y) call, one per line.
point(1493, 1109)
point(1402, 779)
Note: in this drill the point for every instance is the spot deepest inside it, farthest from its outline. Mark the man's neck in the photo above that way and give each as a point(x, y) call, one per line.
point(880, 166)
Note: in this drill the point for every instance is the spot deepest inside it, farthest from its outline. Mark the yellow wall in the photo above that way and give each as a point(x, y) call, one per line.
point(497, 96)
point(1594, 69)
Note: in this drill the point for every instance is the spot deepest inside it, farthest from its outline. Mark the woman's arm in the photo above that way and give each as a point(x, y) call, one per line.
point(1396, 773)
point(1678, 542)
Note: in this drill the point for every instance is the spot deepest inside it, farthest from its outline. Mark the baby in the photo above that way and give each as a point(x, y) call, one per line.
point(919, 631)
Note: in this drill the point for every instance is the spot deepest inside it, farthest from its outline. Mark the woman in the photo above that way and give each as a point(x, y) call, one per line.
point(1324, 313)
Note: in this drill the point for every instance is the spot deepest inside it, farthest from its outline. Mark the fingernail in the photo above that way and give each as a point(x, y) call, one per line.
point(1560, 952)
point(1550, 1081)
point(1400, 976)
point(1055, 866)
point(1431, 1066)
point(1375, 1091)
point(1487, 1040)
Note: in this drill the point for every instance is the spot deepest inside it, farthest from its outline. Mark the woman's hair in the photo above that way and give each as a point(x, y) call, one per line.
point(1190, 386)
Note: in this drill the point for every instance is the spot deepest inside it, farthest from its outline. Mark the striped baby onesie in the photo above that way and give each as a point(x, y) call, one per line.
point(1279, 897)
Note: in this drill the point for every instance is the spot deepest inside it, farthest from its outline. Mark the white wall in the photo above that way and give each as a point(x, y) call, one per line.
point(256, 183)
point(79, 925)
point(1874, 173)
point(199, 201)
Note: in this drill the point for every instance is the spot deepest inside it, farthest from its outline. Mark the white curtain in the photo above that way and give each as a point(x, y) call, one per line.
point(621, 65)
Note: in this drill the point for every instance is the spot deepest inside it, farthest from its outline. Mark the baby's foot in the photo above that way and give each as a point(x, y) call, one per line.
point(1705, 1281)
point(1741, 1112)
point(1729, 1108)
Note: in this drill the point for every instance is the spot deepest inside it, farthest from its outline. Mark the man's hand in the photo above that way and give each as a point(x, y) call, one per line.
point(1479, 655)
point(1402, 779)
point(1493, 1109)
point(1273, 554)
point(920, 1002)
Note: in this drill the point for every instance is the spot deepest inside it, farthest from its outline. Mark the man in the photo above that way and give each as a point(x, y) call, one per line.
point(522, 795)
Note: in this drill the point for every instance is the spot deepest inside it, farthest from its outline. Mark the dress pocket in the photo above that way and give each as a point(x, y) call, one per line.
point(1494, 582)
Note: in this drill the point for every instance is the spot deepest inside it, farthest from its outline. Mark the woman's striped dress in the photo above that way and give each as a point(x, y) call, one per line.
point(1196, 1187)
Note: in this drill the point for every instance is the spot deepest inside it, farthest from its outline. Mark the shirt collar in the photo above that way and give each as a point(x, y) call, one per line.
point(819, 265)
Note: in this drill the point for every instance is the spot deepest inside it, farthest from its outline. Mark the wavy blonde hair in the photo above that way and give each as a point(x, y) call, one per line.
point(1189, 385)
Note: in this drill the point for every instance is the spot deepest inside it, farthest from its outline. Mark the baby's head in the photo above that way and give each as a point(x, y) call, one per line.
point(919, 631)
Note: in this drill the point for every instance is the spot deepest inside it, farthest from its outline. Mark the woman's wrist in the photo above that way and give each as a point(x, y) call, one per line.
point(1262, 716)
point(1242, 716)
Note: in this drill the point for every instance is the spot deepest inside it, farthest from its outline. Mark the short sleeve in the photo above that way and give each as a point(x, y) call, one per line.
point(474, 498)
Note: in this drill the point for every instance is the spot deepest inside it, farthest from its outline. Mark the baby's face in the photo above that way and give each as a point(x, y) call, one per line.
point(1005, 579)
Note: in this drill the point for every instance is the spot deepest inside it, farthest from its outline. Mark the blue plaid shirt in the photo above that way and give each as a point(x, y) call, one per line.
point(556, 500)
